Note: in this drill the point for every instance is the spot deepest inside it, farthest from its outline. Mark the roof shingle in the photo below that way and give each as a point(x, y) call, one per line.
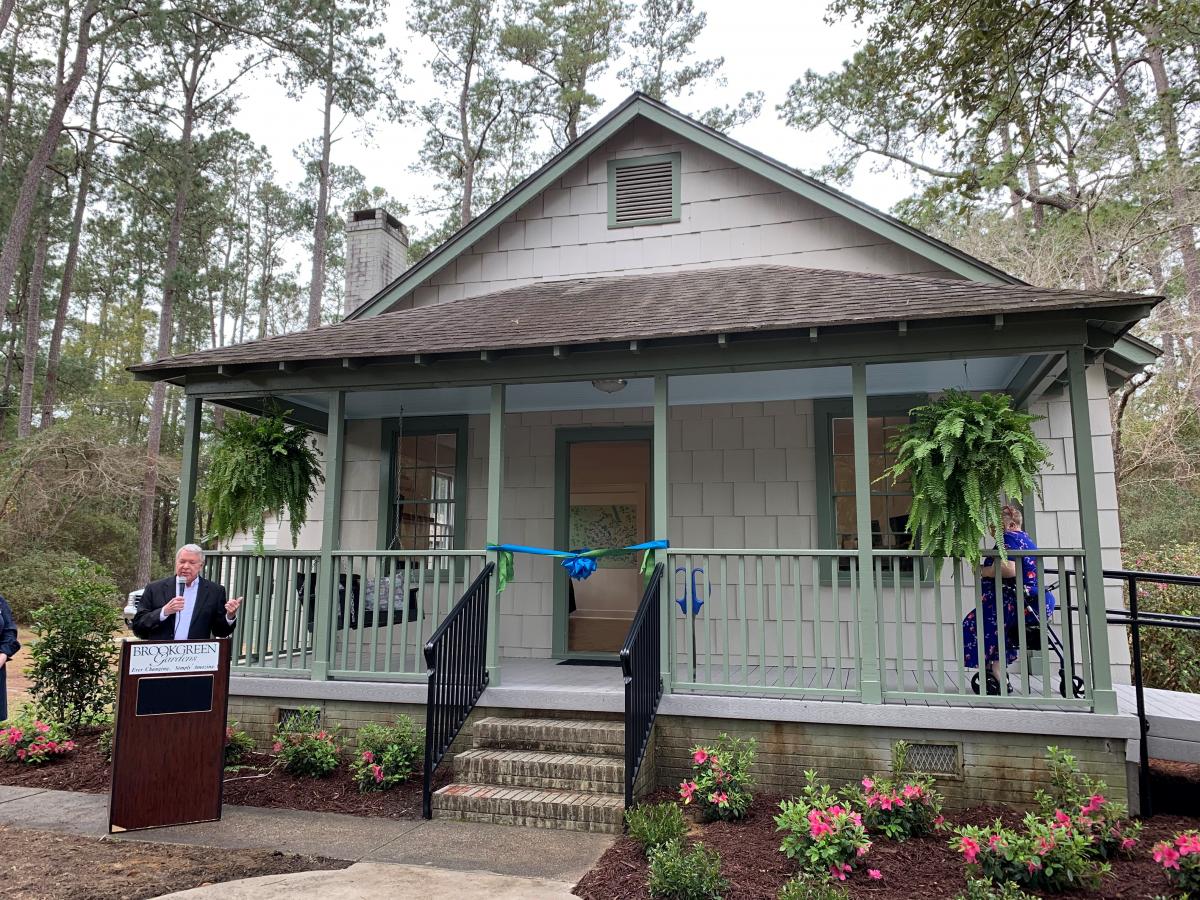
point(735, 300)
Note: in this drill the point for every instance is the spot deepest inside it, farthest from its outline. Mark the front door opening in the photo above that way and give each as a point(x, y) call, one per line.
point(608, 506)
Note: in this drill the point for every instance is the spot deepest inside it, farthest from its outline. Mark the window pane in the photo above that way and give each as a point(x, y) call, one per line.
point(843, 474)
point(844, 517)
point(423, 504)
point(843, 436)
point(446, 447)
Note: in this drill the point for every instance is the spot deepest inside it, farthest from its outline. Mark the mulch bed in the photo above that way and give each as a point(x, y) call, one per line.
point(42, 865)
point(257, 782)
point(920, 868)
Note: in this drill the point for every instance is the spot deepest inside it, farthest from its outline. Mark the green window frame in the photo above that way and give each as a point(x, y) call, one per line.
point(835, 452)
point(615, 165)
point(448, 502)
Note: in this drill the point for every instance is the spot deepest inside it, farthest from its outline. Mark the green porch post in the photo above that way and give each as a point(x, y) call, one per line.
point(495, 488)
point(1103, 696)
point(661, 518)
point(331, 531)
point(868, 604)
point(185, 526)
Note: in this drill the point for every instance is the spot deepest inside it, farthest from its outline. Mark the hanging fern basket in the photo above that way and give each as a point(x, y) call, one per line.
point(260, 466)
point(963, 455)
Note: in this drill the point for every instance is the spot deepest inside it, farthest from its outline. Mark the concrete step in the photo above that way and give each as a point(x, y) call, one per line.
point(566, 810)
point(593, 737)
point(541, 769)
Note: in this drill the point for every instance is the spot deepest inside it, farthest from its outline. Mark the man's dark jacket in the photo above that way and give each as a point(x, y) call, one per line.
point(208, 618)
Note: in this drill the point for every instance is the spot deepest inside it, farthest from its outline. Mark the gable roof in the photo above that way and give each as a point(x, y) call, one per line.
point(679, 304)
point(639, 104)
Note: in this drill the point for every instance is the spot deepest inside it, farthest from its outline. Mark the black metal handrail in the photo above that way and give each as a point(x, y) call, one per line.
point(1136, 620)
point(456, 654)
point(641, 665)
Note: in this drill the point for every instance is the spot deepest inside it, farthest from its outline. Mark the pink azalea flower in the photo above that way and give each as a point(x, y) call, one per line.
point(42, 728)
point(885, 801)
point(868, 784)
point(969, 848)
point(856, 818)
point(1188, 844)
point(700, 757)
point(995, 841)
point(368, 756)
point(862, 850)
point(911, 791)
point(874, 873)
point(1128, 843)
point(835, 810)
point(1094, 803)
point(20, 754)
point(720, 798)
point(1061, 819)
point(838, 871)
point(1033, 865)
point(277, 746)
point(940, 820)
point(1167, 855)
point(378, 770)
point(686, 790)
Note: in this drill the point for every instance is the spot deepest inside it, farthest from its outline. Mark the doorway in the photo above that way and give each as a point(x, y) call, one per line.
point(603, 501)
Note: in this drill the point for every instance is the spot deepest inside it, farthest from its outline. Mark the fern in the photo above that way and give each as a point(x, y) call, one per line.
point(259, 467)
point(962, 455)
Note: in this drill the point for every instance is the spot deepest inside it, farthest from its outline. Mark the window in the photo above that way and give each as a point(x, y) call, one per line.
point(426, 484)
point(837, 510)
point(643, 191)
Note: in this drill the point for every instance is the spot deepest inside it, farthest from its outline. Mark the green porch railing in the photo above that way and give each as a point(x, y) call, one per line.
point(921, 635)
point(764, 622)
point(394, 601)
point(274, 634)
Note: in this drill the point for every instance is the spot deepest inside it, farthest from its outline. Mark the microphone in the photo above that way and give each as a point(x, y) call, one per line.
point(180, 585)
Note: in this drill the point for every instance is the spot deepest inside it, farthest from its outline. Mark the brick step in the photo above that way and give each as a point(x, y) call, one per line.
point(595, 738)
point(541, 769)
point(565, 810)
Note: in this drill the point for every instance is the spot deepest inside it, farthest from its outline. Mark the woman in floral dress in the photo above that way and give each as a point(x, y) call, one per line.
point(1014, 539)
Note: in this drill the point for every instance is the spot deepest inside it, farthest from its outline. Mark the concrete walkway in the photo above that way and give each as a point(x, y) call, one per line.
point(444, 858)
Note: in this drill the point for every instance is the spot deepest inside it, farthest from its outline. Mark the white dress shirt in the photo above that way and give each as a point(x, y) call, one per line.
point(183, 618)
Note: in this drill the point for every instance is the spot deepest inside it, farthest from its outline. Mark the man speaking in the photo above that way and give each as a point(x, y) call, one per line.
point(185, 607)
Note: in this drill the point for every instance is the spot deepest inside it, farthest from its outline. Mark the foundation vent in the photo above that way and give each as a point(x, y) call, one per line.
point(935, 759)
point(287, 716)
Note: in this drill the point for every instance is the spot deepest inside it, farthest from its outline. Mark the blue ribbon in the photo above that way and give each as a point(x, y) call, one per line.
point(579, 563)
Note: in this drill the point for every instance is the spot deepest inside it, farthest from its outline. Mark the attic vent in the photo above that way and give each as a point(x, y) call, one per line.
point(643, 191)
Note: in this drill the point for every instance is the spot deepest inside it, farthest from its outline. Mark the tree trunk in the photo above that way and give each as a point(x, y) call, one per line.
point(158, 395)
point(467, 151)
point(12, 316)
point(22, 214)
point(6, 8)
point(50, 391)
point(33, 333)
point(10, 87)
point(316, 290)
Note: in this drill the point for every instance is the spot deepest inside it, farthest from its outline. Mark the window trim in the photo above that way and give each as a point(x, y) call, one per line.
point(676, 167)
point(824, 412)
point(389, 429)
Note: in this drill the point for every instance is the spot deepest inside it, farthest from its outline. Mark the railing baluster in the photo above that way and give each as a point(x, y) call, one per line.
point(941, 647)
point(897, 590)
point(1044, 621)
point(818, 622)
point(919, 624)
point(728, 650)
point(959, 639)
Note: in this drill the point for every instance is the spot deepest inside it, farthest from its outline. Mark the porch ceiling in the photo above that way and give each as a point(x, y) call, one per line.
point(598, 312)
point(982, 373)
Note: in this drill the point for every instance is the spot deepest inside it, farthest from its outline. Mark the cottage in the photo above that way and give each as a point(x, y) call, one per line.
point(664, 335)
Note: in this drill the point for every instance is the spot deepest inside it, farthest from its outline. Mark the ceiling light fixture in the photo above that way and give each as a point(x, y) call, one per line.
point(609, 385)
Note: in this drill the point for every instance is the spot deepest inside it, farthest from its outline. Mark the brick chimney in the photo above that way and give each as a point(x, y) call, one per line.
point(376, 253)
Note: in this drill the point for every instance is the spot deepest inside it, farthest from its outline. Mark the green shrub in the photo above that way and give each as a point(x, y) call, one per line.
point(653, 826)
point(982, 889)
point(30, 740)
point(901, 806)
point(305, 748)
point(825, 836)
point(72, 678)
point(1081, 799)
point(1180, 858)
point(1170, 656)
point(34, 579)
point(238, 744)
point(679, 874)
point(1051, 856)
point(721, 781)
point(807, 886)
point(387, 754)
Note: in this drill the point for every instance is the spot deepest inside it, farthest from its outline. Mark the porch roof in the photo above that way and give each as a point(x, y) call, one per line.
point(647, 307)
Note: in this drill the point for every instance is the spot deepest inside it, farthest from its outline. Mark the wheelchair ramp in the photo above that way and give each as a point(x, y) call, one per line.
point(1174, 718)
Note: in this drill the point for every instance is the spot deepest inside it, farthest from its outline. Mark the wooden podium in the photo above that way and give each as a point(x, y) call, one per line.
point(169, 742)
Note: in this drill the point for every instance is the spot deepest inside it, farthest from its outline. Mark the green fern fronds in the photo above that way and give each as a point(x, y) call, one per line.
point(962, 455)
point(260, 466)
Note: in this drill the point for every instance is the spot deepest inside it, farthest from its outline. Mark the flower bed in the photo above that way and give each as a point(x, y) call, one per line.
point(259, 781)
point(924, 866)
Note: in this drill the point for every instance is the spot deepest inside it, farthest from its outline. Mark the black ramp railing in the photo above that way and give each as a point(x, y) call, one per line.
point(456, 655)
point(641, 658)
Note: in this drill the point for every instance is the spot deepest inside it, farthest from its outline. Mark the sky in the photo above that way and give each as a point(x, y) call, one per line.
point(767, 44)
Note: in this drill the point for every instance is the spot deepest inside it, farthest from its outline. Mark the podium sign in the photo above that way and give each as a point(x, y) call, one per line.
point(169, 742)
